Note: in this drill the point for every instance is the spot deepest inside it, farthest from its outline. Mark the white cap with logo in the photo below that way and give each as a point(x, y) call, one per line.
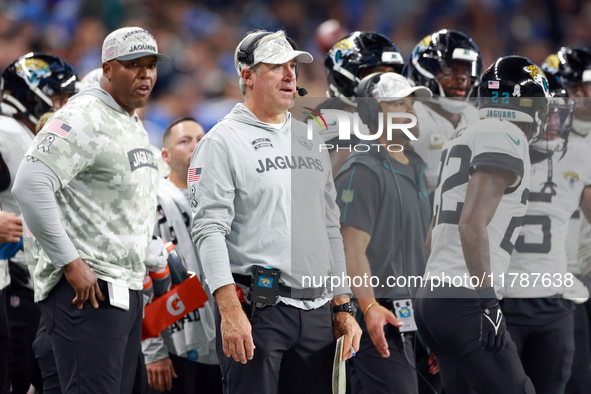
point(393, 87)
point(275, 51)
point(130, 43)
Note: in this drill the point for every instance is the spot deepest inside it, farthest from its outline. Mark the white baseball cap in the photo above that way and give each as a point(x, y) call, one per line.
point(275, 51)
point(130, 43)
point(393, 87)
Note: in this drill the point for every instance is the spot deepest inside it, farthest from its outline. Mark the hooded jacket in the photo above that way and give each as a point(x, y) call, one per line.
point(263, 194)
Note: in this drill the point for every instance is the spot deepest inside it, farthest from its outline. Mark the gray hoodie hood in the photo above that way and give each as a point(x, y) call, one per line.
point(262, 196)
point(243, 115)
point(104, 97)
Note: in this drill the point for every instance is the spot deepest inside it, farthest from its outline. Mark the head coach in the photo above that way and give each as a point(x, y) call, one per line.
point(265, 219)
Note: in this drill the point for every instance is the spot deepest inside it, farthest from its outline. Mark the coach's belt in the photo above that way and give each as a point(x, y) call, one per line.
point(309, 294)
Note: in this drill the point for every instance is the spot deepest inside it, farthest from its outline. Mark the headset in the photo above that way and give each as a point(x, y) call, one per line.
point(246, 53)
point(368, 108)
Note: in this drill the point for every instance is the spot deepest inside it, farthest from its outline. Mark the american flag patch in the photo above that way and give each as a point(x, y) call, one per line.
point(194, 174)
point(60, 128)
point(110, 52)
point(493, 84)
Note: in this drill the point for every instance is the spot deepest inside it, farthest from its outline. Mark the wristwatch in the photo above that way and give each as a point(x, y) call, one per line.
point(348, 307)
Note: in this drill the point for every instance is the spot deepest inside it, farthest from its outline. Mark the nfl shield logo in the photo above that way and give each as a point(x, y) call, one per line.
point(15, 301)
point(347, 195)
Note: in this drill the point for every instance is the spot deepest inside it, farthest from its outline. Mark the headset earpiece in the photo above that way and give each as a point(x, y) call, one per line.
point(245, 52)
point(368, 107)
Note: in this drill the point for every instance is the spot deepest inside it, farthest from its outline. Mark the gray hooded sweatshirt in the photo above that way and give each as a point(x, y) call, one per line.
point(264, 195)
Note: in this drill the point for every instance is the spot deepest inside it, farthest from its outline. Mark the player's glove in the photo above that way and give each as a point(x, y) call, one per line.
point(492, 321)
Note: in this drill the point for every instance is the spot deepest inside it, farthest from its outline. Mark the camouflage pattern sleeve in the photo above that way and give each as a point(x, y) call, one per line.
point(66, 144)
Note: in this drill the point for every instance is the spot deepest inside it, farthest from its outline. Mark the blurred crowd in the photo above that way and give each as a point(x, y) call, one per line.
point(200, 37)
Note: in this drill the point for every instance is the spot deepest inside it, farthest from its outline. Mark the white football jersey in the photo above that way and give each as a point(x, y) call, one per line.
point(582, 264)
point(539, 261)
point(434, 131)
point(578, 240)
point(15, 139)
point(488, 142)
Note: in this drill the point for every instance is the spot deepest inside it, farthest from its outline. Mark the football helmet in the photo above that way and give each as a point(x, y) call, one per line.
point(356, 55)
point(515, 89)
point(560, 117)
point(571, 64)
point(31, 81)
point(437, 52)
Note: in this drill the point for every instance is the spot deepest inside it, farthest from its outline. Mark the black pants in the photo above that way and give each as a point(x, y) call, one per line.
point(140, 385)
point(46, 361)
point(23, 320)
point(580, 378)
point(193, 377)
point(546, 349)
point(48, 367)
point(449, 322)
point(4, 382)
point(96, 350)
point(372, 373)
point(294, 352)
point(428, 382)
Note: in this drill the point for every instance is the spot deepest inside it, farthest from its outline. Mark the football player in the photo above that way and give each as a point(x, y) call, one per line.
point(449, 63)
point(354, 57)
point(33, 84)
point(573, 66)
point(539, 319)
point(479, 203)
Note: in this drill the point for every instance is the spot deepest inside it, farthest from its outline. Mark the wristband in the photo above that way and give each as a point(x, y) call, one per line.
point(367, 309)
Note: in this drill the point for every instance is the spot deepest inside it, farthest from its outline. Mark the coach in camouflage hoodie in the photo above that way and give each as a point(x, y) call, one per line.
point(87, 190)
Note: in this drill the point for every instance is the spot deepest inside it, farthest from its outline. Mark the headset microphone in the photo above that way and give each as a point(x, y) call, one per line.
point(301, 91)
